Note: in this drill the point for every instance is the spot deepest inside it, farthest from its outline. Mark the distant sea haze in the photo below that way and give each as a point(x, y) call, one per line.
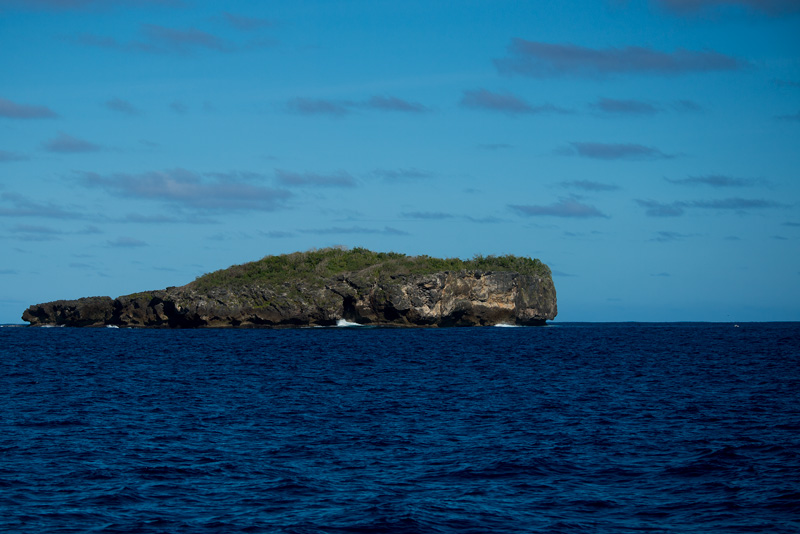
point(568, 428)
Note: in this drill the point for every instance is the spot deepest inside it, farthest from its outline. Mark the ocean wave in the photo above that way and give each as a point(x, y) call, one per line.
point(346, 323)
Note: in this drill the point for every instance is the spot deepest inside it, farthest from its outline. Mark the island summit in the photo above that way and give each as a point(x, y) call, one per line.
point(325, 287)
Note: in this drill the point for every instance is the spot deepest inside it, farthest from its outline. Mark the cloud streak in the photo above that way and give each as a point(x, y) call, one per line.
point(122, 106)
point(611, 151)
point(179, 40)
point(157, 39)
point(503, 102)
point(769, 7)
point(81, 5)
point(715, 180)
point(10, 156)
point(13, 110)
point(31, 232)
point(247, 24)
point(296, 179)
point(540, 60)
point(789, 117)
point(588, 185)
point(565, 207)
point(736, 203)
point(386, 230)
point(191, 190)
point(24, 207)
point(340, 108)
point(654, 208)
point(625, 107)
point(126, 242)
point(426, 215)
point(667, 237)
point(391, 103)
point(67, 144)
point(401, 175)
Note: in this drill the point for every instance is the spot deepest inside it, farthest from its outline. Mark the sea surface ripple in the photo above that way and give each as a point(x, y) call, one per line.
point(570, 428)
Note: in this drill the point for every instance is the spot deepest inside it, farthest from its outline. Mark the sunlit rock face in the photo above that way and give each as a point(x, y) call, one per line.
point(449, 298)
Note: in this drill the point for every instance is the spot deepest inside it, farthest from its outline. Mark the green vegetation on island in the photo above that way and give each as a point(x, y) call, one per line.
point(325, 287)
point(314, 267)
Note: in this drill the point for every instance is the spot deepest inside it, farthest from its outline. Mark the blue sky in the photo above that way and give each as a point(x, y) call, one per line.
point(648, 151)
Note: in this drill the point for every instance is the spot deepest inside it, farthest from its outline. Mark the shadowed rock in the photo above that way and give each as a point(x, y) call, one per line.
point(365, 296)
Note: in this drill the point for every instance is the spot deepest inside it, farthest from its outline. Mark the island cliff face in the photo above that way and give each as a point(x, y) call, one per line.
point(445, 298)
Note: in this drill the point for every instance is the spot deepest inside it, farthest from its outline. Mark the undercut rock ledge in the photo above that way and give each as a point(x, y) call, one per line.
point(440, 299)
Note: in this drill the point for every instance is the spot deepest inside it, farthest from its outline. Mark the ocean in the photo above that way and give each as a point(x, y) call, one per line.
point(567, 428)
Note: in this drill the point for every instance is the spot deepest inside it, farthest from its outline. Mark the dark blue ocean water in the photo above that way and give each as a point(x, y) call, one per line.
point(574, 428)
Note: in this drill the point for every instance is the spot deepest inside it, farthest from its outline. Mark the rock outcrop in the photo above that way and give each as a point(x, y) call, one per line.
point(448, 298)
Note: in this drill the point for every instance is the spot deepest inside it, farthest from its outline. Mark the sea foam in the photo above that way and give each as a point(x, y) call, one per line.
point(345, 322)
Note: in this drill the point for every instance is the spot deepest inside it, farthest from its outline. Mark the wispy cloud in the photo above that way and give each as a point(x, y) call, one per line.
point(565, 207)
point(122, 106)
point(716, 180)
point(538, 59)
point(126, 242)
point(318, 106)
point(634, 107)
point(588, 185)
point(156, 39)
point(80, 5)
point(179, 107)
point(666, 237)
point(441, 216)
point(191, 190)
point(21, 206)
point(687, 106)
point(391, 103)
point(13, 110)
point(609, 151)
point(138, 218)
point(296, 179)
point(386, 230)
point(276, 234)
point(737, 204)
point(787, 83)
point(236, 176)
point(89, 230)
point(426, 215)
point(340, 108)
point(769, 7)
point(489, 219)
point(401, 175)
point(625, 107)
point(31, 232)
point(11, 156)
point(161, 38)
point(504, 103)
point(65, 143)
point(654, 208)
point(243, 23)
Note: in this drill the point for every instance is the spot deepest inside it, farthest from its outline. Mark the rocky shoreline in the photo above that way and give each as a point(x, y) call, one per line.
point(441, 299)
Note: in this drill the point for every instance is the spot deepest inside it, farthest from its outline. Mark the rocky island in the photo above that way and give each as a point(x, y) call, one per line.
point(324, 287)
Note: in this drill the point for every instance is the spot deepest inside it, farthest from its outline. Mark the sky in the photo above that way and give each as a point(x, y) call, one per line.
point(648, 151)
